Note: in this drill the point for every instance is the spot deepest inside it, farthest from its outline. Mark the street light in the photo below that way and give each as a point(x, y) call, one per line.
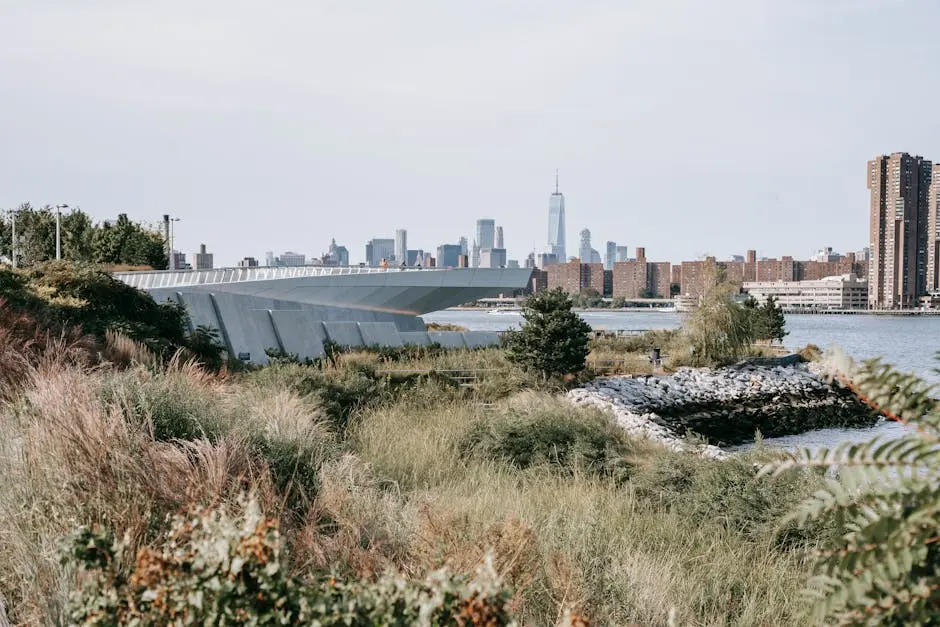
point(58, 230)
point(172, 255)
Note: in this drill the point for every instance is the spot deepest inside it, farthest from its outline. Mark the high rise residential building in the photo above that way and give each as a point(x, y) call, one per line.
point(933, 232)
point(401, 245)
point(530, 261)
point(499, 238)
point(378, 249)
point(556, 223)
point(202, 259)
point(248, 262)
point(899, 186)
point(475, 255)
point(610, 257)
point(448, 255)
point(584, 251)
point(623, 253)
point(486, 233)
point(269, 259)
point(464, 247)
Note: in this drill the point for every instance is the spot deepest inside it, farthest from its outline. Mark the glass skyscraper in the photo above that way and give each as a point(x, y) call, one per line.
point(556, 223)
point(486, 233)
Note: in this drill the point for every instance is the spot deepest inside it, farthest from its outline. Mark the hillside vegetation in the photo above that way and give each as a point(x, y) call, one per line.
point(367, 489)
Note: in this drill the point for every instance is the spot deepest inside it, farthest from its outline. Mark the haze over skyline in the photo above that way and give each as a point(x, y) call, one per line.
point(681, 126)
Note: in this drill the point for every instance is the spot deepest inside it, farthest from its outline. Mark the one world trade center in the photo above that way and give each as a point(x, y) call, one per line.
point(556, 223)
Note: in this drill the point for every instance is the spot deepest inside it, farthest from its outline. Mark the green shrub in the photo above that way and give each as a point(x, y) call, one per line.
point(553, 339)
point(218, 568)
point(530, 433)
point(643, 343)
point(61, 295)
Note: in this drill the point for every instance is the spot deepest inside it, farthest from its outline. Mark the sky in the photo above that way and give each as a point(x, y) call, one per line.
point(684, 126)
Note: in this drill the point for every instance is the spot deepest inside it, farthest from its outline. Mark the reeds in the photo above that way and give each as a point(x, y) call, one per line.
point(577, 517)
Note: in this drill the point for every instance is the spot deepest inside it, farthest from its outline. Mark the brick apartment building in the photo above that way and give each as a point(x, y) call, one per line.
point(641, 278)
point(695, 276)
point(575, 277)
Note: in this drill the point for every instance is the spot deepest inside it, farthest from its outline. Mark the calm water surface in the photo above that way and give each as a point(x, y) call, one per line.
point(908, 342)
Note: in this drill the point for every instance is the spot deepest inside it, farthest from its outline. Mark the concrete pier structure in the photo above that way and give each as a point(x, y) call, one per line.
point(297, 309)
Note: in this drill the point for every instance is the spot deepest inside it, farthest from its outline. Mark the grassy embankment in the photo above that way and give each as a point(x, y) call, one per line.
point(368, 472)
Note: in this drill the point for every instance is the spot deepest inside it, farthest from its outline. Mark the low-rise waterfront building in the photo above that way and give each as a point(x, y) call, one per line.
point(846, 291)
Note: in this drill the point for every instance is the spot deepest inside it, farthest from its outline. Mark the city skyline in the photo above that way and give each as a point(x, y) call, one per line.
point(263, 129)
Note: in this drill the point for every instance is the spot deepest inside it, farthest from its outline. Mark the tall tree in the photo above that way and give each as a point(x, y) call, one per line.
point(553, 339)
point(128, 243)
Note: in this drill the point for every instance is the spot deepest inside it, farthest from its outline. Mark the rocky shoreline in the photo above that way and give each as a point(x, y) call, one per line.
point(725, 405)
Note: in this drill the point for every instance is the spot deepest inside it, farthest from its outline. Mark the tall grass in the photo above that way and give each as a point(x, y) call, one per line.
point(665, 533)
point(372, 469)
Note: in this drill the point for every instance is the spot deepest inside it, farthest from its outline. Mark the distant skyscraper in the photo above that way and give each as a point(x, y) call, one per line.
point(448, 255)
point(464, 247)
point(202, 259)
point(486, 233)
point(900, 188)
point(179, 261)
point(933, 232)
point(248, 262)
point(475, 255)
point(492, 257)
point(584, 251)
point(596, 256)
point(401, 246)
point(378, 249)
point(623, 253)
point(499, 237)
point(269, 259)
point(290, 259)
point(530, 261)
point(414, 258)
point(556, 223)
point(339, 255)
point(611, 256)
point(543, 260)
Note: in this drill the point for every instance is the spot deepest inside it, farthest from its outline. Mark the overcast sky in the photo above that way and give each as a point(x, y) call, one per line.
point(685, 126)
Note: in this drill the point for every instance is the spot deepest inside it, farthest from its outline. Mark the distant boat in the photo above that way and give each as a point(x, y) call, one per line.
point(499, 311)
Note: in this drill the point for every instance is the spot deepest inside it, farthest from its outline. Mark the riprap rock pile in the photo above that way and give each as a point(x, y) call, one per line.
point(725, 405)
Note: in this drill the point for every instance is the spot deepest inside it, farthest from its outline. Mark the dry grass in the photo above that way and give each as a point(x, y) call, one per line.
point(652, 535)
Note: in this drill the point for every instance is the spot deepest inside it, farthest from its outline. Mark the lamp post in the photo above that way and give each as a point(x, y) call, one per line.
point(58, 230)
point(172, 254)
point(13, 238)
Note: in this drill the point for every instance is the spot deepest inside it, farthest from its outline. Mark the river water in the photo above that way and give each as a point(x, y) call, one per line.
point(908, 342)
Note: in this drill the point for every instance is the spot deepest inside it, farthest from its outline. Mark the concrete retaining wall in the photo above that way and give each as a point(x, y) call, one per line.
point(448, 339)
point(415, 338)
point(299, 332)
point(480, 339)
point(380, 334)
point(345, 334)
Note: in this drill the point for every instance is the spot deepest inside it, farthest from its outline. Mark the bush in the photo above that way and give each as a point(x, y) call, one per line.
point(553, 339)
point(60, 296)
point(219, 568)
point(530, 432)
point(718, 331)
